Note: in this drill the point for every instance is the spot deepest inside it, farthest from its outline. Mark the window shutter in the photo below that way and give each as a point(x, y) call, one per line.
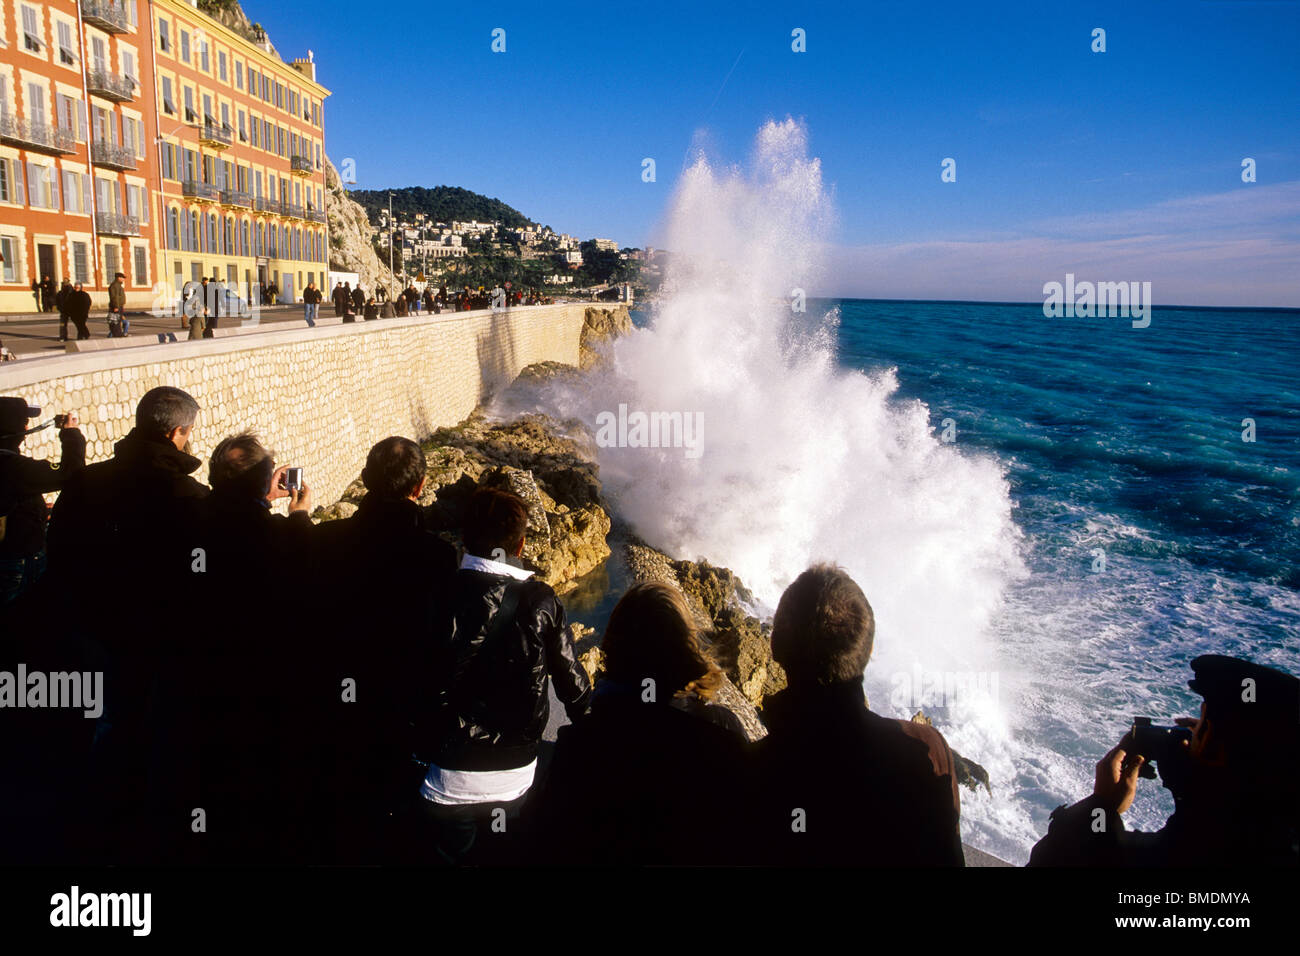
point(81, 121)
point(85, 192)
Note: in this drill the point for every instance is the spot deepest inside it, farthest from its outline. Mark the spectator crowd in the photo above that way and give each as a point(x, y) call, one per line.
point(362, 690)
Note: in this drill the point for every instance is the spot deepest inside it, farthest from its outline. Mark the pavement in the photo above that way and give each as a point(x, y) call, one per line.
point(37, 333)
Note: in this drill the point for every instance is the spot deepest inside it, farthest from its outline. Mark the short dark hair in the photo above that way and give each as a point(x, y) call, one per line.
point(494, 519)
point(165, 408)
point(824, 628)
point(241, 460)
point(393, 468)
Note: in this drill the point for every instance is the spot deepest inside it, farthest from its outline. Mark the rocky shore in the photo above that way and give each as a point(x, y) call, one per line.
point(572, 530)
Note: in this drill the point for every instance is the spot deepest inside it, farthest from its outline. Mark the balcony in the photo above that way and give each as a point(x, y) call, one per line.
point(317, 215)
point(106, 15)
point(37, 136)
point(294, 212)
point(236, 197)
point(203, 192)
point(115, 224)
point(112, 156)
point(262, 204)
point(116, 88)
point(301, 165)
point(214, 136)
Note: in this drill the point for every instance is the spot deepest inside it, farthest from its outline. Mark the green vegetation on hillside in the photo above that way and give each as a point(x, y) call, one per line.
point(441, 203)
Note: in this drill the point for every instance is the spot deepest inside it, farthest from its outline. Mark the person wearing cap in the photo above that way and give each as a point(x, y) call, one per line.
point(1235, 782)
point(23, 481)
point(61, 303)
point(117, 301)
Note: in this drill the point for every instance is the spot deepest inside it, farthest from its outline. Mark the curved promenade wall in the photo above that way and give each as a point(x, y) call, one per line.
point(320, 397)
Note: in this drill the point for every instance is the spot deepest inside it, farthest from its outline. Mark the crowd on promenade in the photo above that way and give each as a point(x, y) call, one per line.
point(361, 690)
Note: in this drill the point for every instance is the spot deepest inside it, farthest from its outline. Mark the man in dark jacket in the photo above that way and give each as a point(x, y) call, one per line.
point(61, 303)
point(382, 560)
point(231, 708)
point(22, 483)
point(358, 299)
point(495, 642)
point(47, 294)
point(78, 304)
point(841, 785)
point(1234, 774)
point(125, 526)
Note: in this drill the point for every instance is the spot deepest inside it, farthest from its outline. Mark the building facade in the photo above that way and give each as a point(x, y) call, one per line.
point(144, 137)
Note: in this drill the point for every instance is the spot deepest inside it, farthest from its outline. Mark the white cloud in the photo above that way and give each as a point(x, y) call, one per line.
point(1236, 248)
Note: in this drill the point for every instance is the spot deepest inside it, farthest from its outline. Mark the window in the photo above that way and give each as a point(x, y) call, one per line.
point(190, 115)
point(185, 45)
point(173, 233)
point(128, 66)
point(71, 193)
point(169, 104)
point(207, 111)
point(80, 262)
point(9, 252)
point(203, 55)
point(36, 103)
point(66, 46)
point(243, 136)
point(42, 187)
point(169, 161)
point(252, 79)
point(31, 30)
point(6, 189)
point(239, 75)
point(221, 65)
point(141, 265)
point(99, 53)
point(225, 116)
point(112, 258)
point(164, 43)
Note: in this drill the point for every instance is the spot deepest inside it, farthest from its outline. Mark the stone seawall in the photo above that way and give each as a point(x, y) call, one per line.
point(320, 397)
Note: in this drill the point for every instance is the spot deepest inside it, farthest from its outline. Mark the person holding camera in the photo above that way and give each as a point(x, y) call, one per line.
point(1234, 773)
point(22, 483)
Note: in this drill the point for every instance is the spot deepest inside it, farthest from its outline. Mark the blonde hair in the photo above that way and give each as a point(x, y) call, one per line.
point(652, 633)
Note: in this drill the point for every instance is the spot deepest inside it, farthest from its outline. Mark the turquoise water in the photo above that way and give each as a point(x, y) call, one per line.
point(1125, 443)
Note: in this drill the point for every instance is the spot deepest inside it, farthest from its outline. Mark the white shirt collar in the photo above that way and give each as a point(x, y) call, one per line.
point(472, 562)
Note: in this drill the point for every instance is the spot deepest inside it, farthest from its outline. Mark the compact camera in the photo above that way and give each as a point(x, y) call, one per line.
point(293, 479)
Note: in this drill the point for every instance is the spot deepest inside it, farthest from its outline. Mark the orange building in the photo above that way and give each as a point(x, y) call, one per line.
point(240, 159)
point(76, 136)
point(144, 137)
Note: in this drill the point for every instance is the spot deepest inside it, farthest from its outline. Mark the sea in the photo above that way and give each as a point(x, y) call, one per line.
point(1051, 517)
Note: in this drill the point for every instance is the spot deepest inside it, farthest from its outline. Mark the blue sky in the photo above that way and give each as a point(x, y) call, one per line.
point(1066, 159)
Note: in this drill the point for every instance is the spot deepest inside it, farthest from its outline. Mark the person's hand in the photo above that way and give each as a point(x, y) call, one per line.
point(300, 500)
point(1117, 776)
point(277, 484)
point(71, 421)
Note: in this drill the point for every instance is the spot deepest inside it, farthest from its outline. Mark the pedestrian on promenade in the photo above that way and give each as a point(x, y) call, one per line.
point(47, 294)
point(36, 293)
point(116, 305)
point(428, 299)
point(358, 299)
point(370, 310)
point(209, 321)
point(272, 290)
point(311, 302)
point(61, 302)
point(78, 302)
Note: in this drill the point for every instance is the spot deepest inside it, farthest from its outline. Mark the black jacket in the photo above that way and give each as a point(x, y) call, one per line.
point(78, 305)
point(874, 791)
point(22, 482)
point(128, 524)
point(639, 783)
point(487, 702)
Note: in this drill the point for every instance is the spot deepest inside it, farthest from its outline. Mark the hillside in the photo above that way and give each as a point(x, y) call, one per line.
point(442, 203)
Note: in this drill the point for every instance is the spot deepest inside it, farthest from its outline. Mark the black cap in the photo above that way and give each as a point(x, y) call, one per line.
point(1238, 689)
point(14, 413)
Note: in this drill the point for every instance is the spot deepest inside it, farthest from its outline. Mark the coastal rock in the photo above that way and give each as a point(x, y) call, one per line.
point(567, 521)
point(599, 328)
point(969, 774)
point(350, 235)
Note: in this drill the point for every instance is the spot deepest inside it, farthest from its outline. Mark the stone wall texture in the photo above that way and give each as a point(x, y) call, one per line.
point(319, 397)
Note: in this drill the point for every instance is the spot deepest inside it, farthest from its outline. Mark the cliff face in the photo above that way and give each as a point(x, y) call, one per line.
point(229, 14)
point(350, 235)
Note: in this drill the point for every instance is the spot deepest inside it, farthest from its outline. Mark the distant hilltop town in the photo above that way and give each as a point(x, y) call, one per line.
point(472, 251)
